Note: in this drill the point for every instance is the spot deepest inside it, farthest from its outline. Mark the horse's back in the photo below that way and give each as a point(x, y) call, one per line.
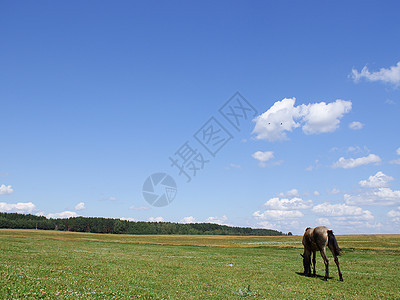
point(316, 238)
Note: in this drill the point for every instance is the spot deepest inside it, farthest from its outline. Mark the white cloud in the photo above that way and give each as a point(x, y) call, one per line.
point(316, 166)
point(285, 212)
point(394, 214)
point(334, 191)
point(278, 214)
point(23, 208)
point(286, 204)
point(351, 149)
point(234, 166)
point(358, 149)
point(290, 193)
point(389, 101)
point(80, 206)
point(322, 117)
point(63, 215)
point(218, 220)
point(314, 118)
point(391, 75)
point(348, 163)
point(316, 193)
point(6, 189)
point(268, 225)
point(139, 208)
point(342, 210)
point(263, 157)
point(379, 196)
point(377, 180)
point(396, 161)
point(272, 124)
point(188, 220)
point(323, 221)
point(356, 125)
point(127, 219)
point(346, 218)
point(155, 219)
point(112, 199)
point(284, 225)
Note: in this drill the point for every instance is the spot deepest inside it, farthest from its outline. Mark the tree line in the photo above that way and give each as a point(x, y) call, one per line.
point(117, 226)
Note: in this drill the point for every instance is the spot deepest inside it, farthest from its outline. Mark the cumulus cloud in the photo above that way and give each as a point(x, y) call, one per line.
point(127, 219)
point(284, 225)
point(334, 191)
point(342, 210)
point(290, 193)
point(322, 117)
point(379, 196)
point(6, 189)
point(217, 220)
point(356, 125)
point(273, 124)
point(80, 206)
point(155, 219)
point(277, 214)
point(390, 75)
point(377, 180)
point(188, 220)
point(346, 217)
point(112, 199)
point(394, 215)
point(314, 118)
point(349, 163)
point(396, 161)
point(63, 215)
point(323, 221)
point(263, 157)
point(268, 225)
point(288, 204)
point(316, 193)
point(20, 207)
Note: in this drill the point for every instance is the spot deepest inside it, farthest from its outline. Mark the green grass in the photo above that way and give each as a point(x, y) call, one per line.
point(65, 265)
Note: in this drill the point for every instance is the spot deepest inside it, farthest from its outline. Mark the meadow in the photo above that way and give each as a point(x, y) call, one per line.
point(37, 264)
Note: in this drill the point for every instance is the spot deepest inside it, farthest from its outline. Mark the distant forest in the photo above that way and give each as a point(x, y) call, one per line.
point(117, 226)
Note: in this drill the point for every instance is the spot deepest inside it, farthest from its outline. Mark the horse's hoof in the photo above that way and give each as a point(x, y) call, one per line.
point(340, 279)
point(325, 279)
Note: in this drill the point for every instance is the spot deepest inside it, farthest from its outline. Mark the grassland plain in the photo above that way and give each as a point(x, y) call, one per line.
point(65, 265)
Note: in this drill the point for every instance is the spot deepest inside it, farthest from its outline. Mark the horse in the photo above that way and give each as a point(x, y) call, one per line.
point(316, 239)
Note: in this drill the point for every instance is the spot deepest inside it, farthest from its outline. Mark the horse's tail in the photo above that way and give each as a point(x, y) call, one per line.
point(332, 243)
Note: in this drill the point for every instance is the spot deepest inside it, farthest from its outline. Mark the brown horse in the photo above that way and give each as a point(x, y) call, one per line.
point(316, 239)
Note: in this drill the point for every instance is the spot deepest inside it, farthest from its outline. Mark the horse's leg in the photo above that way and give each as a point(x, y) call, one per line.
point(313, 261)
point(335, 251)
point(337, 263)
point(326, 262)
point(307, 262)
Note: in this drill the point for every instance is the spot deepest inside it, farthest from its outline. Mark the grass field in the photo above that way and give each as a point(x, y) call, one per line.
point(66, 265)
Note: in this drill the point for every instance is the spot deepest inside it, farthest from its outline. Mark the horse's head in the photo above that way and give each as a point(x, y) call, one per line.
point(306, 263)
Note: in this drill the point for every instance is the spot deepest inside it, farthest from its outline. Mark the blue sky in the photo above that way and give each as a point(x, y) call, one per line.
point(97, 96)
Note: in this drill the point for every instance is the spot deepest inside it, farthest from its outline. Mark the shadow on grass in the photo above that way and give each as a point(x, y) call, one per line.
point(312, 276)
